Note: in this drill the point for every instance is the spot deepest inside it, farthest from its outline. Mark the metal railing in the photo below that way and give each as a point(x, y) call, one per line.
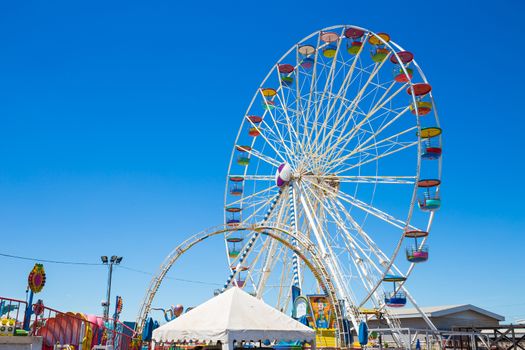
point(13, 309)
point(68, 330)
point(432, 340)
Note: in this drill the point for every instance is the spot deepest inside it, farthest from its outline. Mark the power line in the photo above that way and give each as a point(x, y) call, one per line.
point(99, 264)
point(48, 261)
point(171, 278)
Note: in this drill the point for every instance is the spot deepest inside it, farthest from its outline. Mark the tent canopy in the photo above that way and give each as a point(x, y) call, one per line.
point(233, 316)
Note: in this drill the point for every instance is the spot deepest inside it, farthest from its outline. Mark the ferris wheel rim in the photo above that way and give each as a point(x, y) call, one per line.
point(392, 45)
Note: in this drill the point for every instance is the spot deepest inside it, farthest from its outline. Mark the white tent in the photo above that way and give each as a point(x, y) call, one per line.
point(233, 316)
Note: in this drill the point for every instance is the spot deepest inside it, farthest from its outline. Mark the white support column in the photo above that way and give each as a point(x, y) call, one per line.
point(330, 261)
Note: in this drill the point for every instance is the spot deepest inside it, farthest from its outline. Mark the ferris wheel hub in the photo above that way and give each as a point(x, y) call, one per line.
point(283, 175)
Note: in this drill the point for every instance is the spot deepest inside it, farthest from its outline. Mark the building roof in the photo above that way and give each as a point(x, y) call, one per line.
point(438, 311)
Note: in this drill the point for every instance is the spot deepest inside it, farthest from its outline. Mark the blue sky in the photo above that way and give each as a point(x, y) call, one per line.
point(117, 121)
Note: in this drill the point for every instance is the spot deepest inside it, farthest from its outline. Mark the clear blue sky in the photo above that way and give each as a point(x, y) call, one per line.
point(117, 120)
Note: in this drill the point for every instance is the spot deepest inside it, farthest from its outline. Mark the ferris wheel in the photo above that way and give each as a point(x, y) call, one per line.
point(341, 142)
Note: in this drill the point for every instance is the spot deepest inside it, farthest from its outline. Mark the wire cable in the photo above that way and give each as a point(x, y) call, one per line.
point(168, 277)
point(48, 261)
point(100, 264)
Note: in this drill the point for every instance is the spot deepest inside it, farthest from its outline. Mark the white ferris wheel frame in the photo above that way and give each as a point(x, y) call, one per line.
point(302, 193)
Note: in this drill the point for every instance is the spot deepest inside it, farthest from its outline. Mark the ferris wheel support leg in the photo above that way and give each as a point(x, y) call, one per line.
point(295, 265)
point(425, 317)
point(250, 244)
point(335, 272)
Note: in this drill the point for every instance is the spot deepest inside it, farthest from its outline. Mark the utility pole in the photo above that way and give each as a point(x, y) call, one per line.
point(114, 260)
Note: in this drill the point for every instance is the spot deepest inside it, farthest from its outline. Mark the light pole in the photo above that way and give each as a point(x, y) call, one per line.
point(114, 260)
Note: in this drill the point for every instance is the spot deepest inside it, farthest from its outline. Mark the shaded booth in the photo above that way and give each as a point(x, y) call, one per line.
point(285, 71)
point(254, 121)
point(431, 147)
point(430, 199)
point(236, 185)
point(354, 35)
point(233, 217)
point(268, 94)
point(231, 319)
point(306, 51)
point(330, 38)
point(243, 155)
point(234, 245)
point(423, 105)
point(401, 61)
point(241, 278)
point(416, 253)
point(396, 298)
point(379, 42)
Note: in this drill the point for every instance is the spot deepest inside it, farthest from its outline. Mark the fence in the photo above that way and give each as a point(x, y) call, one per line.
point(13, 309)
point(406, 338)
point(61, 329)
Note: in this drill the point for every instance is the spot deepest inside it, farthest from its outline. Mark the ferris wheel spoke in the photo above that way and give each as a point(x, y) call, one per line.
point(281, 107)
point(382, 128)
point(374, 211)
point(400, 147)
point(268, 142)
point(364, 206)
point(269, 262)
point(253, 195)
point(274, 140)
point(364, 237)
point(311, 90)
point(347, 80)
point(345, 138)
point(329, 147)
point(359, 95)
point(360, 258)
point(328, 85)
point(343, 90)
point(379, 131)
point(351, 134)
point(261, 156)
point(298, 104)
point(383, 100)
point(279, 142)
point(326, 250)
point(251, 264)
point(249, 177)
point(388, 142)
point(328, 72)
point(258, 207)
point(289, 124)
point(374, 289)
point(372, 179)
point(271, 258)
point(295, 146)
point(275, 201)
point(283, 279)
point(256, 203)
point(317, 206)
point(351, 245)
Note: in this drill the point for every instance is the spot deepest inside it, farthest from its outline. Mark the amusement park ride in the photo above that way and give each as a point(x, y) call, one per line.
point(335, 170)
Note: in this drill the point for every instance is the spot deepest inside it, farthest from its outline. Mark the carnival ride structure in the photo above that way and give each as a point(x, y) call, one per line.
point(340, 152)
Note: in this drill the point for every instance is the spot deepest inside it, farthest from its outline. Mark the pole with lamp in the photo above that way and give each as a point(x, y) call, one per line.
point(114, 260)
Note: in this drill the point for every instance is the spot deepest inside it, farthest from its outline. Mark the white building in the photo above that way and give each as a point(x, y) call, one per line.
point(443, 317)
